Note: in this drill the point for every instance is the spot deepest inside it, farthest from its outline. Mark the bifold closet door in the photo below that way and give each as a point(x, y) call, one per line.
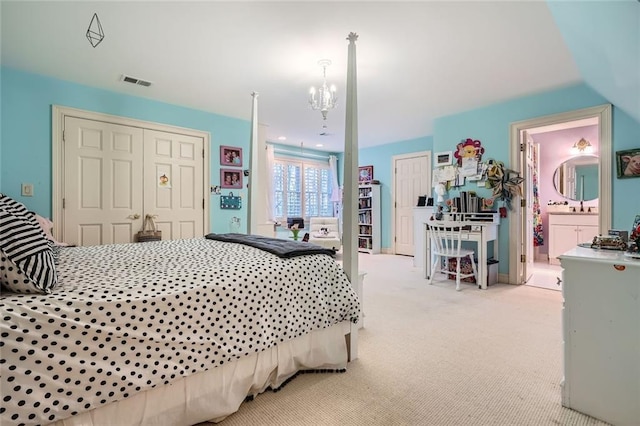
point(102, 198)
point(174, 183)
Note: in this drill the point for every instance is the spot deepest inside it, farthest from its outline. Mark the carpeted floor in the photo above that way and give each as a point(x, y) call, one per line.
point(432, 356)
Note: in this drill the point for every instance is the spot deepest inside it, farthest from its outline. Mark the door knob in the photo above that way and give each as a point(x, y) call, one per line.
point(134, 216)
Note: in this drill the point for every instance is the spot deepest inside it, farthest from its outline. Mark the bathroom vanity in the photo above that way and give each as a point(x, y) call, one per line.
point(568, 229)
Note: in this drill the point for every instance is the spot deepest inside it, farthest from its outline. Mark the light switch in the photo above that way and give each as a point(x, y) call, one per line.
point(27, 190)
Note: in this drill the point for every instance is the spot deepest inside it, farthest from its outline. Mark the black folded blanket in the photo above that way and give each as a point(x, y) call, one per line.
point(281, 248)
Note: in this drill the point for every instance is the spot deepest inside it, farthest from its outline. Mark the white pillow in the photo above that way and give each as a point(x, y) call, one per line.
point(46, 225)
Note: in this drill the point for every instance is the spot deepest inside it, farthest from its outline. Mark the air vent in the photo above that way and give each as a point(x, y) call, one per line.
point(133, 80)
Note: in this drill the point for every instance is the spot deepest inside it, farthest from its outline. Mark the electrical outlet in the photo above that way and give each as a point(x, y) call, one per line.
point(27, 190)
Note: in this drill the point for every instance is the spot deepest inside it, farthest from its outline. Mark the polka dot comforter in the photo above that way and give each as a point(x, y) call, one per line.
point(129, 317)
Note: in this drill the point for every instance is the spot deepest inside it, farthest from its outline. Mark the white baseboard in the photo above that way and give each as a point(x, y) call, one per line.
point(541, 257)
point(503, 278)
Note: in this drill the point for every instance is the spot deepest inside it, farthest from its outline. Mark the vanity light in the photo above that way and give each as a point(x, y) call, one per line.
point(583, 146)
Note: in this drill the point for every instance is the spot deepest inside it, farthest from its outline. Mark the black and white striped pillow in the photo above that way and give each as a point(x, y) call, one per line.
point(28, 264)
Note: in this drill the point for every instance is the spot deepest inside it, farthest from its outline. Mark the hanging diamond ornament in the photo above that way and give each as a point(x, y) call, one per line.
point(324, 98)
point(95, 34)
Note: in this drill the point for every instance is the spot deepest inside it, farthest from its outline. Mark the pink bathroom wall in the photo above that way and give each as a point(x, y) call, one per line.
point(555, 148)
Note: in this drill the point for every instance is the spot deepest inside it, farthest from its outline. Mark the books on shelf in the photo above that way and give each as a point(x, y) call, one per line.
point(468, 202)
point(369, 218)
point(364, 217)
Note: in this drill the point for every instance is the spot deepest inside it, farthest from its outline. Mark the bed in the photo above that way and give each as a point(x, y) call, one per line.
point(128, 318)
point(167, 332)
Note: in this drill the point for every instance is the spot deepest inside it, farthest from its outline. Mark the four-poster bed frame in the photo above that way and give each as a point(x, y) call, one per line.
point(351, 180)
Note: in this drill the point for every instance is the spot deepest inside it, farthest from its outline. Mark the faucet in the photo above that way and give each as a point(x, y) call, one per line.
point(581, 207)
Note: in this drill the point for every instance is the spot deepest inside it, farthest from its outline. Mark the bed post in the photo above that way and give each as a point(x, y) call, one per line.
point(350, 208)
point(252, 213)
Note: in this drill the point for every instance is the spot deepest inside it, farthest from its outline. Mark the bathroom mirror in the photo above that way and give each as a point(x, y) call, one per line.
point(577, 178)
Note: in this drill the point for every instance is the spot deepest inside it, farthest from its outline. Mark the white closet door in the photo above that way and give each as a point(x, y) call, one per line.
point(173, 183)
point(412, 179)
point(102, 182)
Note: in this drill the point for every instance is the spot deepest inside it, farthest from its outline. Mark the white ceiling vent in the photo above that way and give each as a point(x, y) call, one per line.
point(133, 80)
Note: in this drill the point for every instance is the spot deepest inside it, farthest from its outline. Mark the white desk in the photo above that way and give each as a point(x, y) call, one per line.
point(481, 233)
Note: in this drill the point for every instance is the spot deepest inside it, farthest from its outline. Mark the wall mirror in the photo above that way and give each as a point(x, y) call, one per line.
point(577, 178)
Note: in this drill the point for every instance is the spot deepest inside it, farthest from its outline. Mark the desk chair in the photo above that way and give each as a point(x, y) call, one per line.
point(446, 242)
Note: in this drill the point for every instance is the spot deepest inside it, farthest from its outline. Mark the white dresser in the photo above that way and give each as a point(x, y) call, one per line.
point(567, 230)
point(601, 331)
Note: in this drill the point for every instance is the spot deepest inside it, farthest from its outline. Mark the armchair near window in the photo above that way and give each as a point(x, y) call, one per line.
point(325, 232)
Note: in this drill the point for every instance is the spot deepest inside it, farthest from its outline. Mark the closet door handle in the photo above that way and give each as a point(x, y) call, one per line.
point(134, 216)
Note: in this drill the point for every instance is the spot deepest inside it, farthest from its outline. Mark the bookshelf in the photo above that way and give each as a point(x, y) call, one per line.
point(369, 218)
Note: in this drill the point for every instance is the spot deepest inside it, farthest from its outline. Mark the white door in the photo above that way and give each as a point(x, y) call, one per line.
point(116, 174)
point(173, 183)
point(527, 238)
point(101, 192)
point(412, 177)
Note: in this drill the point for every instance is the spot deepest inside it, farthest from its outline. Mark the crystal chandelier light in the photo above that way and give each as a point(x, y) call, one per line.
point(324, 98)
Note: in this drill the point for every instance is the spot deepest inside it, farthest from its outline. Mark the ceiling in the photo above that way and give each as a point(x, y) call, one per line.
point(416, 61)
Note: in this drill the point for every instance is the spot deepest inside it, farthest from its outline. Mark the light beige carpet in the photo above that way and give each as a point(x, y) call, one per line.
point(432, 356)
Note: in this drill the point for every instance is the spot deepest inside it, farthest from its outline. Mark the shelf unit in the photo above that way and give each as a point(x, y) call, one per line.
point(369, 218)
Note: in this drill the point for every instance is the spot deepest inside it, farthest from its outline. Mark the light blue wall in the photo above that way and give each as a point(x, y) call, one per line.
point(491, 124)
point(604, 40)
point(26, 101)
point(25, 139)
point(380, 158)
point(587, 175)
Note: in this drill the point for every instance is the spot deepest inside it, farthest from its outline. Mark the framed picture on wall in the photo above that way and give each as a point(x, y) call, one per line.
point(230, 178)
point(230, 156)
point(365, 174)
point(628, 163)
point(444, 158)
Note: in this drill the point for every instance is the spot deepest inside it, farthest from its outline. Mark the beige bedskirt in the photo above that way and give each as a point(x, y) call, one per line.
point(213, 395)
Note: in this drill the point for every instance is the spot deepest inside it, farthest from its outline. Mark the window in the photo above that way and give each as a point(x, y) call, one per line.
point(301, 189)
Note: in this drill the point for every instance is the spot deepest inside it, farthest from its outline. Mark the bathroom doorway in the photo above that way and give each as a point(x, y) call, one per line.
point(555, 134)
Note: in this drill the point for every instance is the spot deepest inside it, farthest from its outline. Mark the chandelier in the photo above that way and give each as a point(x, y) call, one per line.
point(324, 98)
